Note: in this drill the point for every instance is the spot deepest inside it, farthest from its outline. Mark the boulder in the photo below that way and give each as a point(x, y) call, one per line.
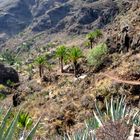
point(8, 73)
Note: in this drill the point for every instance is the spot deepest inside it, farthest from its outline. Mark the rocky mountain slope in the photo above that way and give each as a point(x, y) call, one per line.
point(65, 102)
point(53, 16)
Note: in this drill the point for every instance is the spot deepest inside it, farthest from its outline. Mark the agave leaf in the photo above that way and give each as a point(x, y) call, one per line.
point(107, 106)
point(130, 115)
point(135, 118)
point(69, 138)
point(1, 111)
point(28, 122)
point(98, 119)
point(132, 133)
point(84, 136)
point(135, 114)
point(94, 137)
point(123, 108)
point(32, 132)
point(120, 103)
point(3, 124)
point(122, 100)
point(117, 108)
point(10, 131)
point(99, 112)
point(111, 110)
point(124, 111)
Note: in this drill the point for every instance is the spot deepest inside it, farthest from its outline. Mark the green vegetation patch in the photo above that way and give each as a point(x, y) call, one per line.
point(97, 55)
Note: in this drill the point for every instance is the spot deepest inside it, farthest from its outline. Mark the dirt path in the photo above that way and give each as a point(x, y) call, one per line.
point(117, 79)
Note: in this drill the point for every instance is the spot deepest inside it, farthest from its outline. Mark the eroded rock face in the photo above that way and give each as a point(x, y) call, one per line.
point(14, 15)
point(54, 15)
point(8, 73)
point(74, 17)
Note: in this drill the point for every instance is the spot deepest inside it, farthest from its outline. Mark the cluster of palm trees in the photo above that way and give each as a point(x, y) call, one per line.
point(70, 54)
point(65, 54)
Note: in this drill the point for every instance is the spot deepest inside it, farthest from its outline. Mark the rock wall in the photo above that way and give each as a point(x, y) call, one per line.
point(8, 73)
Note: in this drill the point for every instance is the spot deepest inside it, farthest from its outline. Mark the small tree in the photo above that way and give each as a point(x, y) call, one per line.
point(40, 61)
point(93, 35)
point(73, 55)
point(30, 70)
point(97, 55)
point(61, 52)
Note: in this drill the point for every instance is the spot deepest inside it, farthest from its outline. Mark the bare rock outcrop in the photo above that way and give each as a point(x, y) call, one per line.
point(8, 73)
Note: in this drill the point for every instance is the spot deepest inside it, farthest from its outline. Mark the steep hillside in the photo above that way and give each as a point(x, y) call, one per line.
point(14, 16)
point(54, 16)
point(66, 99)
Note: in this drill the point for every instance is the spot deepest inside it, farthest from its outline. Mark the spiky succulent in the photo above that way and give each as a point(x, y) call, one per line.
point(116, 112)
point(7, 132)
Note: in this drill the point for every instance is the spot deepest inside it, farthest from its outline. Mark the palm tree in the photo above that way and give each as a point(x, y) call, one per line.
point(40, 61)
point(74, 54)
point(93, 35)
point(61, 52)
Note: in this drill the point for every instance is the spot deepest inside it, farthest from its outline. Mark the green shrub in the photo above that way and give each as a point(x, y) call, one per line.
point(2, 87)
point(24, 121)
point(2, 95)
point(8, 56)
point(7, 131)
point(97, 55)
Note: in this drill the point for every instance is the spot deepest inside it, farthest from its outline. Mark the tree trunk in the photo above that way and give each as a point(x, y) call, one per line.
point(61, 63)
point(75, 68)
point(91, 44)
point(40, 71)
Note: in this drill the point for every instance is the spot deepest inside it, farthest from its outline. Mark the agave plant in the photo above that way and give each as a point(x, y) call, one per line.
point(84, 135)
point(116, 110)
point(7, 133)
point(24, 123)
